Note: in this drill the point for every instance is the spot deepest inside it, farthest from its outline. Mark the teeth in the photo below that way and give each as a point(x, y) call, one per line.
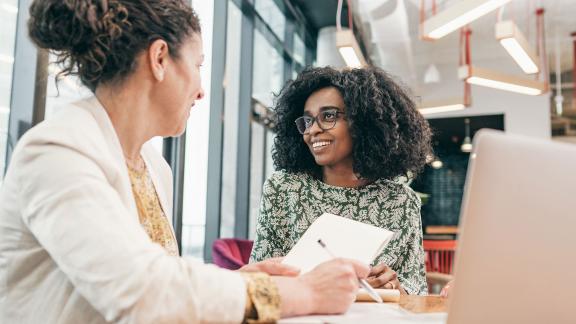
point(319, 144)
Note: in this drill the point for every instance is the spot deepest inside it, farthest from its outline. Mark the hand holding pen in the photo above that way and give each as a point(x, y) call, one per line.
point(332, 285)
point(362, 281)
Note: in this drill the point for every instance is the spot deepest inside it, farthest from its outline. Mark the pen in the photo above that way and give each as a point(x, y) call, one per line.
point(363, 282)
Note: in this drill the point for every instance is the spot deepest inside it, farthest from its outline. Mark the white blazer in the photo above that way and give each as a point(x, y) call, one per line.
point(72, 249)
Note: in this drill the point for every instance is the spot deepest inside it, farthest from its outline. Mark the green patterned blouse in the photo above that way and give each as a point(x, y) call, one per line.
point(291, 202)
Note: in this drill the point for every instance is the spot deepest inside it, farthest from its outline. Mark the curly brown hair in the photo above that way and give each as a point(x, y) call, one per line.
point(390, 137)
point(98, 40)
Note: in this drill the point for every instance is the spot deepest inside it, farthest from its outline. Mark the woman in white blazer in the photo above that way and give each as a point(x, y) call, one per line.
point(84, 236)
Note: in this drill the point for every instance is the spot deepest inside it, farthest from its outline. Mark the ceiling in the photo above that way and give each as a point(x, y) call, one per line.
point(322, 13)
point(391, 34)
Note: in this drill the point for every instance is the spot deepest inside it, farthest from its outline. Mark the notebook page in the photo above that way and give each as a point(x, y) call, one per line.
point(344, 237)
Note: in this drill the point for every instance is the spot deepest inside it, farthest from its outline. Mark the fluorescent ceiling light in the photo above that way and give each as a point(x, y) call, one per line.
point(350, 57)
point(458, 15)
point(439, 106)
point(501, 81)
point(349, 48)
point(4, 110)
point(517, 46)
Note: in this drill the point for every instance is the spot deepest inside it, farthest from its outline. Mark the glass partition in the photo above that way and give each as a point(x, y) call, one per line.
point(8, 17)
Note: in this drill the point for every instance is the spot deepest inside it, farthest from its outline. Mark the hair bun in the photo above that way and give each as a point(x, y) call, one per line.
point(74, 25)
point(99, 40)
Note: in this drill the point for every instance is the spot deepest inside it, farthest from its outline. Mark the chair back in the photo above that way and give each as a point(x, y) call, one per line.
point(439, 255)
point(231, 253)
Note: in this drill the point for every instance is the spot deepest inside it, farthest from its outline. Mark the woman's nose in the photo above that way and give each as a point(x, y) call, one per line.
point(315, 128)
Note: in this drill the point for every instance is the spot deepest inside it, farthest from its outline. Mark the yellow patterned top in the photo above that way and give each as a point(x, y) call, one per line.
point(150, 212)
point(263, 299)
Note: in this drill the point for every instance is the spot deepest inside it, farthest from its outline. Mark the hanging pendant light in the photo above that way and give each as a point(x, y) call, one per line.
point(437, 164)
point(432, 75)
point(434, 161)
point(501, 81)
point(517, 46)
point(466, 146)
point(457, 15)
point(346, 41)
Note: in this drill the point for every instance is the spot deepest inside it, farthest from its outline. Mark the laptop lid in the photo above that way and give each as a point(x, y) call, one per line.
point(516, 258)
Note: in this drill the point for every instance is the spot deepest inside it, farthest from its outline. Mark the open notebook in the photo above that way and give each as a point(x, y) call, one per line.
point(344, 237)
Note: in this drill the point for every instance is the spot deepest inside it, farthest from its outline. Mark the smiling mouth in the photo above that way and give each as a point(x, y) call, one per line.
point(320, 145)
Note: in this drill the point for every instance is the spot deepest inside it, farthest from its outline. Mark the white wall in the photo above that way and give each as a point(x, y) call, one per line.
point(326, 52)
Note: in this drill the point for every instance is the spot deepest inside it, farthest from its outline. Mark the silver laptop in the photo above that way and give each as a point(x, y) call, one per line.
point(516, 259)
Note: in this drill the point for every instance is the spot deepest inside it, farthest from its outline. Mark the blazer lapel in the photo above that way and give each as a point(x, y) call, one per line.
point(123, 181)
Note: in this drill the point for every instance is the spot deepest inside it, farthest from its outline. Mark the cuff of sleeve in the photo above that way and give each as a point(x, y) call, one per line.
point(263, 302)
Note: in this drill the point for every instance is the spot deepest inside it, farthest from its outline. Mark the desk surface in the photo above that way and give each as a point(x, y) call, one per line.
point(424, 304)
point(410, 310)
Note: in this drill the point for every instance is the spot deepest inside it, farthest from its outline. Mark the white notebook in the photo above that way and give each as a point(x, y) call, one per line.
point(344, 237)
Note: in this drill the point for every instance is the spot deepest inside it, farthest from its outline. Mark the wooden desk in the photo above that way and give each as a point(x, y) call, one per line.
point(424, 304)
point(437, 229)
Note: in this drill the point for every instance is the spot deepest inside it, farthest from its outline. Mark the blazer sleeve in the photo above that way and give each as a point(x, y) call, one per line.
point(67, 202)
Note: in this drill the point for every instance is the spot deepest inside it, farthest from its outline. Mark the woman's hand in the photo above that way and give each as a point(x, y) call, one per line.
point(328, 289)
point(382, 276)
point(446, 290)
point(273, 267)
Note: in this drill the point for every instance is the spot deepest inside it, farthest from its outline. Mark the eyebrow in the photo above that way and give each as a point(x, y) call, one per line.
point(324, 108)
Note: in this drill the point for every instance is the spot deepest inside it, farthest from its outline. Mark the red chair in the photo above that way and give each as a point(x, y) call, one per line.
point(231, 253)
point(439, 255)
point(439, 263)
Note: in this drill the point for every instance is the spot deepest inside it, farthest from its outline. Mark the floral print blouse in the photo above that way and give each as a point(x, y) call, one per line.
point(291, 202)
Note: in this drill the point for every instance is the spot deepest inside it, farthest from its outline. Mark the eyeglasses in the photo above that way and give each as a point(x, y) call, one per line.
point(326, 120)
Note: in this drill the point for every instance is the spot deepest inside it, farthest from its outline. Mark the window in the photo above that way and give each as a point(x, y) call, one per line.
point(69, 89)
point(196, 157)
point(257, 168)
point(268, 75)
point(257, 59)
point(267, 79)
point(299, 49)
point(272, 16)
point(8, 16)
point(231, 110)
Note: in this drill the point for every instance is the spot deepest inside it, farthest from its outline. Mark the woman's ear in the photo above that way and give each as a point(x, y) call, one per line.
point(158, 55)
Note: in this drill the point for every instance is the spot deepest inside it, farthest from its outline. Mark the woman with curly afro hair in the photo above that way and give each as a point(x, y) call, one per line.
point(344, 138)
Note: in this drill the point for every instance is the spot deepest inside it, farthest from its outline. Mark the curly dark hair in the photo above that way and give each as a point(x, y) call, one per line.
point(390, 137)
point(98, 40)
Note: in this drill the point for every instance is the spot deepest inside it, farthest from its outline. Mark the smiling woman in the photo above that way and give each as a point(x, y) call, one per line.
point(343, 139)
point(85, 232)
